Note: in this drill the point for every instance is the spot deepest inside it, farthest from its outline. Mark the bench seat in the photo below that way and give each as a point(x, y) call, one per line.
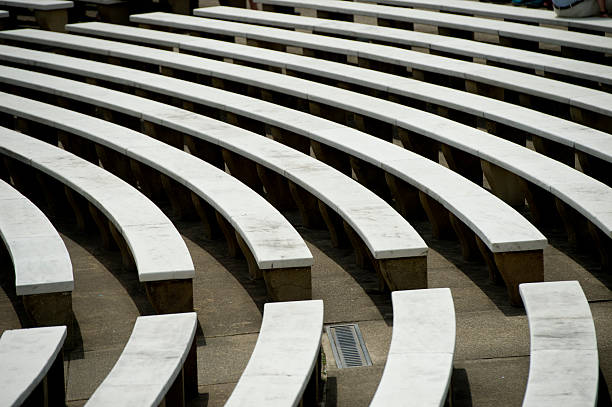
point(50, 14)
point(40, 258)
point(471, 205)
point(420, 359)
point(158, 364)
point(576, 99)
point(594, 147)
point(290, 336)
point(504, 29)
point(32, 366)
point(506, 12)
point(563, 366)
point(387, 236)
point(148, 238)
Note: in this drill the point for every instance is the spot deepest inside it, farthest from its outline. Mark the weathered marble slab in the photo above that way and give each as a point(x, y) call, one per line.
point(156, 246)
point(150, 362)
point(276, 245)
point(420, 360)
point(26, 355)
point(38, 4)
point(564, 367)
point(516, 233)
point(40, 258)
point(284, 356)
point(387, 234)
point(461, 69)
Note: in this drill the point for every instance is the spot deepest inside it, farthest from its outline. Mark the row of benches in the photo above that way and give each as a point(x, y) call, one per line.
point(495, 154)
point(159, 363)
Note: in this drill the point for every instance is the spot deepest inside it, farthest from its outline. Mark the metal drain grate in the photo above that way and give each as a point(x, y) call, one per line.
point(348, 345)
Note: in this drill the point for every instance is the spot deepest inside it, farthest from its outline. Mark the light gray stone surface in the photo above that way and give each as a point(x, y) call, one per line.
point(475, 24)
point(414, 59)
point(516, 234)
point(284, 356)
point(25, 358)
point(38, 4)
point(564, 367)
point(160, 255)
point(149, 363)
point(386, 233)
point(4, 14)
point(276, 245)
point(420, 359)
point(40, 259)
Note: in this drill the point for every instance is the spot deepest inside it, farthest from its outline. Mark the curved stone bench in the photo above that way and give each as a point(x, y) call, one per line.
point(450, 201)
point(43, 270)
point(575, 44)
point(560, 139)
point(276, 251)
point(397, 252)
point(50, 14)
point(158, 365)
point(285, 365)
point(585, 105)
point(420, 360)
point(141, 230)
point(507, 12)
point(32, 366)
point(563, 366)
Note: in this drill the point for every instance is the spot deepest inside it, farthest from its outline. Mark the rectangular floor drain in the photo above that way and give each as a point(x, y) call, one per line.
point(348, 345)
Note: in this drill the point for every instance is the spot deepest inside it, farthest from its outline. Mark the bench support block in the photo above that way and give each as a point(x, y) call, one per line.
point(405, 273)
point(334, 224)
point(52, 20)
point(207, 216)
point(288, 284)
point(514, 268)
point(438, 217)
point(504, 184)
point(308, 206)
point(604, 246)
point(170, 296)
point(406, 197)
point(467, 238)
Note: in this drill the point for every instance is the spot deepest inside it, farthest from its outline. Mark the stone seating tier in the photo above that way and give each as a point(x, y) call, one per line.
point(516, 238)
point(50, 14)
point(32, 366)
point(563, 366)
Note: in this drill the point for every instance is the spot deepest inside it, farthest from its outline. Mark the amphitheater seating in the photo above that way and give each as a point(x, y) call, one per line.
point(564, 367)
point(285, 365)
point(587, 106)
point(50, 14)
point(559, 139)
point(284, 265)
point(505, 11)
point(420, 360)
point(42, 266)
point(520, 167)
point(569, 70)
point(573, 44)
point(158, 365)
point(32, 367)
point(471, 207)
point(144, 234)
point(398, 253)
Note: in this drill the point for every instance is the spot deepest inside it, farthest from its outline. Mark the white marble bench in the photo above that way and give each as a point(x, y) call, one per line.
point(284, 264)
point(584, 105)
point(378, 233)
point(32, 366)
point(420, 360)
point(564, 365)
point(158, 365)
point(594, 75)
point(4, 14)
point(512, 34)
point(50, 14)
point(450, 201)
point(506, 12)
point(43, 270)
point(558, 138)
point(147, 239)
point(284, 367)
point(514, 172)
